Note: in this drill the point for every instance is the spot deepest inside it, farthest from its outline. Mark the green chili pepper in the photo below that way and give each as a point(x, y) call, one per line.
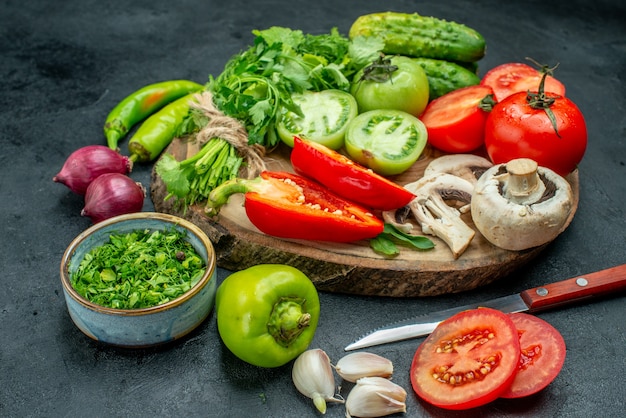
point(156, 132)
point(141, 104)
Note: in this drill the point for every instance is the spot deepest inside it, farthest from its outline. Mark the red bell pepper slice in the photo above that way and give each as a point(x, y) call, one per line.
point(346, 177)
point(286, 205)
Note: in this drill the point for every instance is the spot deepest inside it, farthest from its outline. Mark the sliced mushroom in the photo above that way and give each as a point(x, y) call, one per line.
point(468, 166)
point(519, 205)
point(434, 215)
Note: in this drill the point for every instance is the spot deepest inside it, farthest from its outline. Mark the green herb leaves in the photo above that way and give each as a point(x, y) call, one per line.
point(385, 243)
point(139, 269)
point(256, 83)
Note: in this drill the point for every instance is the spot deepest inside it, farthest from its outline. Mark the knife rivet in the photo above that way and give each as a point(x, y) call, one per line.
point(542, 291)
point(581, 281)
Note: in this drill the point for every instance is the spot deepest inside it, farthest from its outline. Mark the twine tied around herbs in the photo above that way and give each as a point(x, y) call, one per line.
point(230, 130)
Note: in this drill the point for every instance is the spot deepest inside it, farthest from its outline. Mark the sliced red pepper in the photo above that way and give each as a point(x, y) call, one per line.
point(287, 205)
point(346, 177)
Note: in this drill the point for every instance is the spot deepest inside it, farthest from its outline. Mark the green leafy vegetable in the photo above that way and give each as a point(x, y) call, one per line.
point(191, 180)
point(385, 242)
point(256, 83)
point(139, 269)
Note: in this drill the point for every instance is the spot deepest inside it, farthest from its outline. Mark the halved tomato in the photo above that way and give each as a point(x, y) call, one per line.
point(513, 77)
point(543, 355)
point(455, 121)
point(469, 360)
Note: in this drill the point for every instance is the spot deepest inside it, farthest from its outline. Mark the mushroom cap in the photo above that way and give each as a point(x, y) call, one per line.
point(518, 226)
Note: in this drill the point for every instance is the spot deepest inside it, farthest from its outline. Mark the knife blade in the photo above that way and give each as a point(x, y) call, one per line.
point(531, 300)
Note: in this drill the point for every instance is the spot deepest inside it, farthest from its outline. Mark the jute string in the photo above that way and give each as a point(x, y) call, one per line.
point(230, 130)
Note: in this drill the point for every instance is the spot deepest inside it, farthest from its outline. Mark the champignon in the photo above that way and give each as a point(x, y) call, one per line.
point(434, 215)
point(519, 205)
point(468, 166)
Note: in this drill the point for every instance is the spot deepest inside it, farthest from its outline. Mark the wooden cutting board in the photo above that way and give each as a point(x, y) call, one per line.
point(352, 268)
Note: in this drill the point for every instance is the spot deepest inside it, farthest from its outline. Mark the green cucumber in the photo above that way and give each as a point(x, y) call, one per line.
point(445, 76)
point(421, 36)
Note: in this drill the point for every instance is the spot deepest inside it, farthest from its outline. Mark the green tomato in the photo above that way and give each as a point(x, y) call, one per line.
point(387, 141)
point(267, 314)
point(325, 116)
point(405, 88)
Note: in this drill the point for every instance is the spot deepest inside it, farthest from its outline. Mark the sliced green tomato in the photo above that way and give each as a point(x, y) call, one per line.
point(325, 117)
point(387, 141)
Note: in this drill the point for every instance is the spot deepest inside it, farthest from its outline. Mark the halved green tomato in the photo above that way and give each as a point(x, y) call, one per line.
point(325, 117)
point(387, 141)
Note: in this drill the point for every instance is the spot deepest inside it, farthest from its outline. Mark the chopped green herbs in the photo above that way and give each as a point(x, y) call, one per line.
point(139, 269)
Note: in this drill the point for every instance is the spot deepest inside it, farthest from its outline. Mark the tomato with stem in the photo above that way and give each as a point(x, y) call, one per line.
point(547, 128)
point(470, 359)
point(397, 83)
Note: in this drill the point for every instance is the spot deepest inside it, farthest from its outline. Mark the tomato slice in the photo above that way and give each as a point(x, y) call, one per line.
point(324, 119)
point(347, 178)
point(470, 359)
point(543, 355)
point(385, 140)
point(455, 121)
point(513, 77)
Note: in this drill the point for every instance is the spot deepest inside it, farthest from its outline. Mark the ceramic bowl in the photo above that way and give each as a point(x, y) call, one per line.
point(147, 326)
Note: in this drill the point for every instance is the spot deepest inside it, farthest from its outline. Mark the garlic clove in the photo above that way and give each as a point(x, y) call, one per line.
point(375, 397)
point(356, 365)
point(312, 374)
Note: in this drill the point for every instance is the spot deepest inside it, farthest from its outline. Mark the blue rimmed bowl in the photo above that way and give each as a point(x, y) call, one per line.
point(147, 326)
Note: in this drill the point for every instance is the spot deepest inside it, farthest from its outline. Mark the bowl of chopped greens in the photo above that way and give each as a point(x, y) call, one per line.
point(140, 279)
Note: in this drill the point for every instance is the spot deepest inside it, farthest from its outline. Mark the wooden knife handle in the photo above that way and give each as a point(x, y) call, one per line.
point(599, 283)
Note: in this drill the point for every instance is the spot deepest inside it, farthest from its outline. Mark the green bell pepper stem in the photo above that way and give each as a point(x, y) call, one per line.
point(287, 320)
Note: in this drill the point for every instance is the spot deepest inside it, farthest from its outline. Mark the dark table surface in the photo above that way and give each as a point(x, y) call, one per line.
point(64, 65)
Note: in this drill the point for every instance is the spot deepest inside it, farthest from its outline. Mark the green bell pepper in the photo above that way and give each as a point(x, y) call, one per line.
point(267, 314)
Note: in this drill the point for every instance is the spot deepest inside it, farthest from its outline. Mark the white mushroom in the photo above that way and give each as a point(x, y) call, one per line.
point(468, 166)
point(434, 215)
point(519, 205)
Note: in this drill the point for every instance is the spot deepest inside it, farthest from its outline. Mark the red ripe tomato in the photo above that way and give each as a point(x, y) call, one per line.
point(455, 121)
point(469, 360)
point(509, 78)
point(543, 355)
point(516, 129)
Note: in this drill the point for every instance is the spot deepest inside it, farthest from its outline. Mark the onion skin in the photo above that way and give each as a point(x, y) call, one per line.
point(112, 194)
point(88, 163)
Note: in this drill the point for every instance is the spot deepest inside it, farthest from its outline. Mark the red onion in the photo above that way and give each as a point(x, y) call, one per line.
point(87, 163)
point(112, 194)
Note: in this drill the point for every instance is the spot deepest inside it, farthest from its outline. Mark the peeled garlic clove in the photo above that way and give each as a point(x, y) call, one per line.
point(375, 397)
point(312, 375)
point(356, 365)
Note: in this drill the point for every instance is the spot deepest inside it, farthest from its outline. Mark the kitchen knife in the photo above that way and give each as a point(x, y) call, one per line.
point(532, 300)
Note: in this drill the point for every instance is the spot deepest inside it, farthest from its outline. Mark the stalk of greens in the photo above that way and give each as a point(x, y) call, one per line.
point(253, 88)
point(139, 269)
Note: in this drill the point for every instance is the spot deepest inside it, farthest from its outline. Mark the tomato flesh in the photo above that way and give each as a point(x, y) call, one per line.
point(325, 117)
point(469, 360)
point(455, 122)
point(514, 77)
point(387, 141)
point(514, 129)
point(542, 355)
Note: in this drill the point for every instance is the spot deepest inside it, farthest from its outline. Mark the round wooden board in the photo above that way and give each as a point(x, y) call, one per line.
point(349, 268)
